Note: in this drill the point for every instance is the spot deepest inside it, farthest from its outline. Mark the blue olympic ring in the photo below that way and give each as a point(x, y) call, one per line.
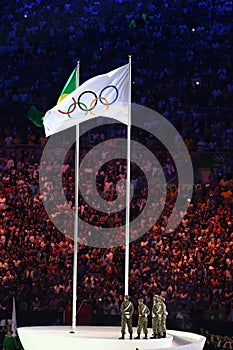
point(106, 87)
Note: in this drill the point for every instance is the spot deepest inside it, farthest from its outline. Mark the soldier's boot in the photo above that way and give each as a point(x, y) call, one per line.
point(153, 336)
point(131, 336)
point(122, 337)
point(163, 335)
point(138, 337)
point(145, 337)
point(160, 335)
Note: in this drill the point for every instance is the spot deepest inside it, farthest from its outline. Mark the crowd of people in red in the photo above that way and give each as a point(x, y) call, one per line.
point(190, 266)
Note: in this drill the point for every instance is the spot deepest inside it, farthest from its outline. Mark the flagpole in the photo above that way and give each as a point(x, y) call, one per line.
point(13, 318)
point(75, 262)
point(77, 74)
point(128, 188)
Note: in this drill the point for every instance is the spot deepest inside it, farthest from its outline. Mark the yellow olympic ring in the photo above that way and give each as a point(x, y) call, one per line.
point(96, 99)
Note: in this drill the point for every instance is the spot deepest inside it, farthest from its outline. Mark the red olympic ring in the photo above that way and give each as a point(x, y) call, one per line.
point(68, 112)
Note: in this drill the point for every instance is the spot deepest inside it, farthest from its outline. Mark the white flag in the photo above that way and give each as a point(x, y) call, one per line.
point(13, 319)
point(105, 95)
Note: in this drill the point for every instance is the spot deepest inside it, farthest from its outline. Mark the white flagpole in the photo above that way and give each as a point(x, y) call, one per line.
point(75, 262)
point(13, 318)
point(128, 188)
point(77, 74)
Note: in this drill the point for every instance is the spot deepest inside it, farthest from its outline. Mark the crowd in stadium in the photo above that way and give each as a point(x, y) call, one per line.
point(182, 67)
point(216, 341)
point(181, 58)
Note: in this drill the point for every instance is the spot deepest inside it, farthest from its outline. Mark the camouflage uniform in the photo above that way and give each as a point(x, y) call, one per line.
point(155, 318)
point(162, 317)
point(143, 312)
point(127, 310)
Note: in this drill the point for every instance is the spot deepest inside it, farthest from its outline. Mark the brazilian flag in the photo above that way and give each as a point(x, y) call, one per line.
point(70, 86)
point(35, 116)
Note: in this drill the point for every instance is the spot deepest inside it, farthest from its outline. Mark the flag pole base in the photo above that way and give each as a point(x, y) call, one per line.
point(103, 338)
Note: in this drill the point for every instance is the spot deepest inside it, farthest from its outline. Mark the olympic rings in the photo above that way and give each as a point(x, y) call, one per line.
point(219, 157)
point(93, 103)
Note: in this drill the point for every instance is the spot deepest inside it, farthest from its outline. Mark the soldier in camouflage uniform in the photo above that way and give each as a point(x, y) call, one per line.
point(127, 310)
point(162, 317)
point(143, 312)
point(155, 318)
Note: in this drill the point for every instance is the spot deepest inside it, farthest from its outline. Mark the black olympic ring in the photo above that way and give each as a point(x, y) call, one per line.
point(87, 92)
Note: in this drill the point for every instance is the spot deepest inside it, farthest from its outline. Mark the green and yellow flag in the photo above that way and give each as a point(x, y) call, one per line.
point(35, 116)
point(70, 86)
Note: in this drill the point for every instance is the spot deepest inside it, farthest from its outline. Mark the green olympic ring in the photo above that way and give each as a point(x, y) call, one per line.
point(75, 103)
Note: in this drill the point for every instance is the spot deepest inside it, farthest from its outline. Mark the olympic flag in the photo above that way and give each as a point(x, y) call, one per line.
point(105, 95)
